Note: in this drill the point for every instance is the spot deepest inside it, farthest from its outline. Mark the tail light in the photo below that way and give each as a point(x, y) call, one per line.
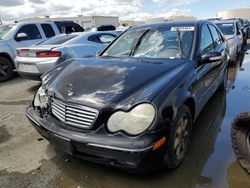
point(48, 54)
point(21, 50)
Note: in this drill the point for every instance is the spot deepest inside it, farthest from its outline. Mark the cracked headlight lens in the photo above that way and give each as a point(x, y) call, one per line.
point(134, 122)
point(41, 98)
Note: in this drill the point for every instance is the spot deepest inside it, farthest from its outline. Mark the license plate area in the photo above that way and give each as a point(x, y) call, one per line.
point(28, 68)
point(61, 144)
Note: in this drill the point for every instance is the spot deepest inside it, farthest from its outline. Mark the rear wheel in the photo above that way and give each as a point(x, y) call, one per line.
point(240, 135)
point(179, 139)
point(6, 69)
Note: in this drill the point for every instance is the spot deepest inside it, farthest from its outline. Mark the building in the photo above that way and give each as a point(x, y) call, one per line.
point(171, 18)
point(235, 13)
point(181, 18)
point(129, 23)
point(84, 21)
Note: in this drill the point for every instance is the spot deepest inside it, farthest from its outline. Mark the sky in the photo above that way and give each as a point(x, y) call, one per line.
point(11, 10)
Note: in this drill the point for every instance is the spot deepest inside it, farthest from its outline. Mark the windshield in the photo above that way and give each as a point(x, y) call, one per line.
point(6, 31)
point(163, 42)
point(226, 28)
point(57, 40)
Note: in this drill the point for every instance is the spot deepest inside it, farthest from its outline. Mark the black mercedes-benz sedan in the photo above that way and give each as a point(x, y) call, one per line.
point(133, 106)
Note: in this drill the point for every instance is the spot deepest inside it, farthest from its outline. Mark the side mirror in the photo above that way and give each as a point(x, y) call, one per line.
point(21, 36)
point(238, 32)
point(210, 57)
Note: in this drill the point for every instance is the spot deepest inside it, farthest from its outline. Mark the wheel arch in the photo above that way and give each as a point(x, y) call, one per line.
point(190, 103)
point(7, 56)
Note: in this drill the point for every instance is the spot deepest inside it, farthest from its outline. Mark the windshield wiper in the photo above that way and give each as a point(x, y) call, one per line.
point(180, 42)
point(137, 43)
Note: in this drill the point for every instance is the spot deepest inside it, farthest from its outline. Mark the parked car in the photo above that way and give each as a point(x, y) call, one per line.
point(241, 25)
point(35, 60)
point(234, 37)
point(247, 26)
point(68, 27)
point(134, 105)
point(21, 34)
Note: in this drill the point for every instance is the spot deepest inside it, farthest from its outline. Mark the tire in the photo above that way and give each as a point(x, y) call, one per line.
point(240, 135)
point(175, 154)
point(6, 69)
point(223, 85)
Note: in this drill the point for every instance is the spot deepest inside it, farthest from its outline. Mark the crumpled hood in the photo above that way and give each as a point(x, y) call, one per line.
point(99, 82)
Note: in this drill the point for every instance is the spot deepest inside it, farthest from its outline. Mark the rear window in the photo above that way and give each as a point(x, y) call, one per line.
point(57, 40)
point(48, 30)
point(226, 28)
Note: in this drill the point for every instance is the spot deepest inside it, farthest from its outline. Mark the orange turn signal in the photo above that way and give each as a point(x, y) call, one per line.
point(159, 143)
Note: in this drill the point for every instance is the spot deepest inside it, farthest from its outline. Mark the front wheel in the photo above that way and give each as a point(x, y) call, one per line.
point(179, 139)
point(240, 135)
point(6, 69)
point(223, 84)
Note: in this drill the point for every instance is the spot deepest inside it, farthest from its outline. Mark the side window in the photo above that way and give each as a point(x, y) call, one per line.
point(31, 31)
point(206, 42)
point(105, 38)
point(48, 30)
point(216, 37)
point(94, 38)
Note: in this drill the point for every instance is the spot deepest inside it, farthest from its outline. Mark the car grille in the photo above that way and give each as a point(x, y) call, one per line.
point(73, 114)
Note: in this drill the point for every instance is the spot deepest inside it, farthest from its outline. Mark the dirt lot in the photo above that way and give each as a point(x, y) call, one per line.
point(27, 160)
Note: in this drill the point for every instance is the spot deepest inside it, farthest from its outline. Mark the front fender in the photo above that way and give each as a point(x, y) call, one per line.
point(5, 49)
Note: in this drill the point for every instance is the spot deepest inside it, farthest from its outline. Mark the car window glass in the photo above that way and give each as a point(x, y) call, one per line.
point(94, 38)
point(206, 44)
point(56, 40)
point(227, 28)
point(125, 43)
point(6, 31)
point(215, 35)
point(48, 30)
point(162, 42)
point(31, 30)
point(105, 38)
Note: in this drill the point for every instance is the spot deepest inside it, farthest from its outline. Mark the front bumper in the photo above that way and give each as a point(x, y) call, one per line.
point(99, 148)
point(30, 76)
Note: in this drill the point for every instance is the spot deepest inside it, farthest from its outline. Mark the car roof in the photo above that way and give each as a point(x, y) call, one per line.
point(88, 33)
point(172, 23)
point(33, 22)
point(226, 21)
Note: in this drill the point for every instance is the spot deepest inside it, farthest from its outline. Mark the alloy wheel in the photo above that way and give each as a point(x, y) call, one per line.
point(181, 138)
point(3, 69)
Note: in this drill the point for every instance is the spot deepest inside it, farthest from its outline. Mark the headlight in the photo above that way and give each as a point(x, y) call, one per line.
point(133, 122)
point(41, 98)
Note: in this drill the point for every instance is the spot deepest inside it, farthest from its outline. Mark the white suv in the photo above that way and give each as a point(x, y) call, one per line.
point(17, 35)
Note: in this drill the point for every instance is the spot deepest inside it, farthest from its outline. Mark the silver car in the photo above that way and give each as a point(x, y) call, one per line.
point(35, 60)
point(233, 36)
